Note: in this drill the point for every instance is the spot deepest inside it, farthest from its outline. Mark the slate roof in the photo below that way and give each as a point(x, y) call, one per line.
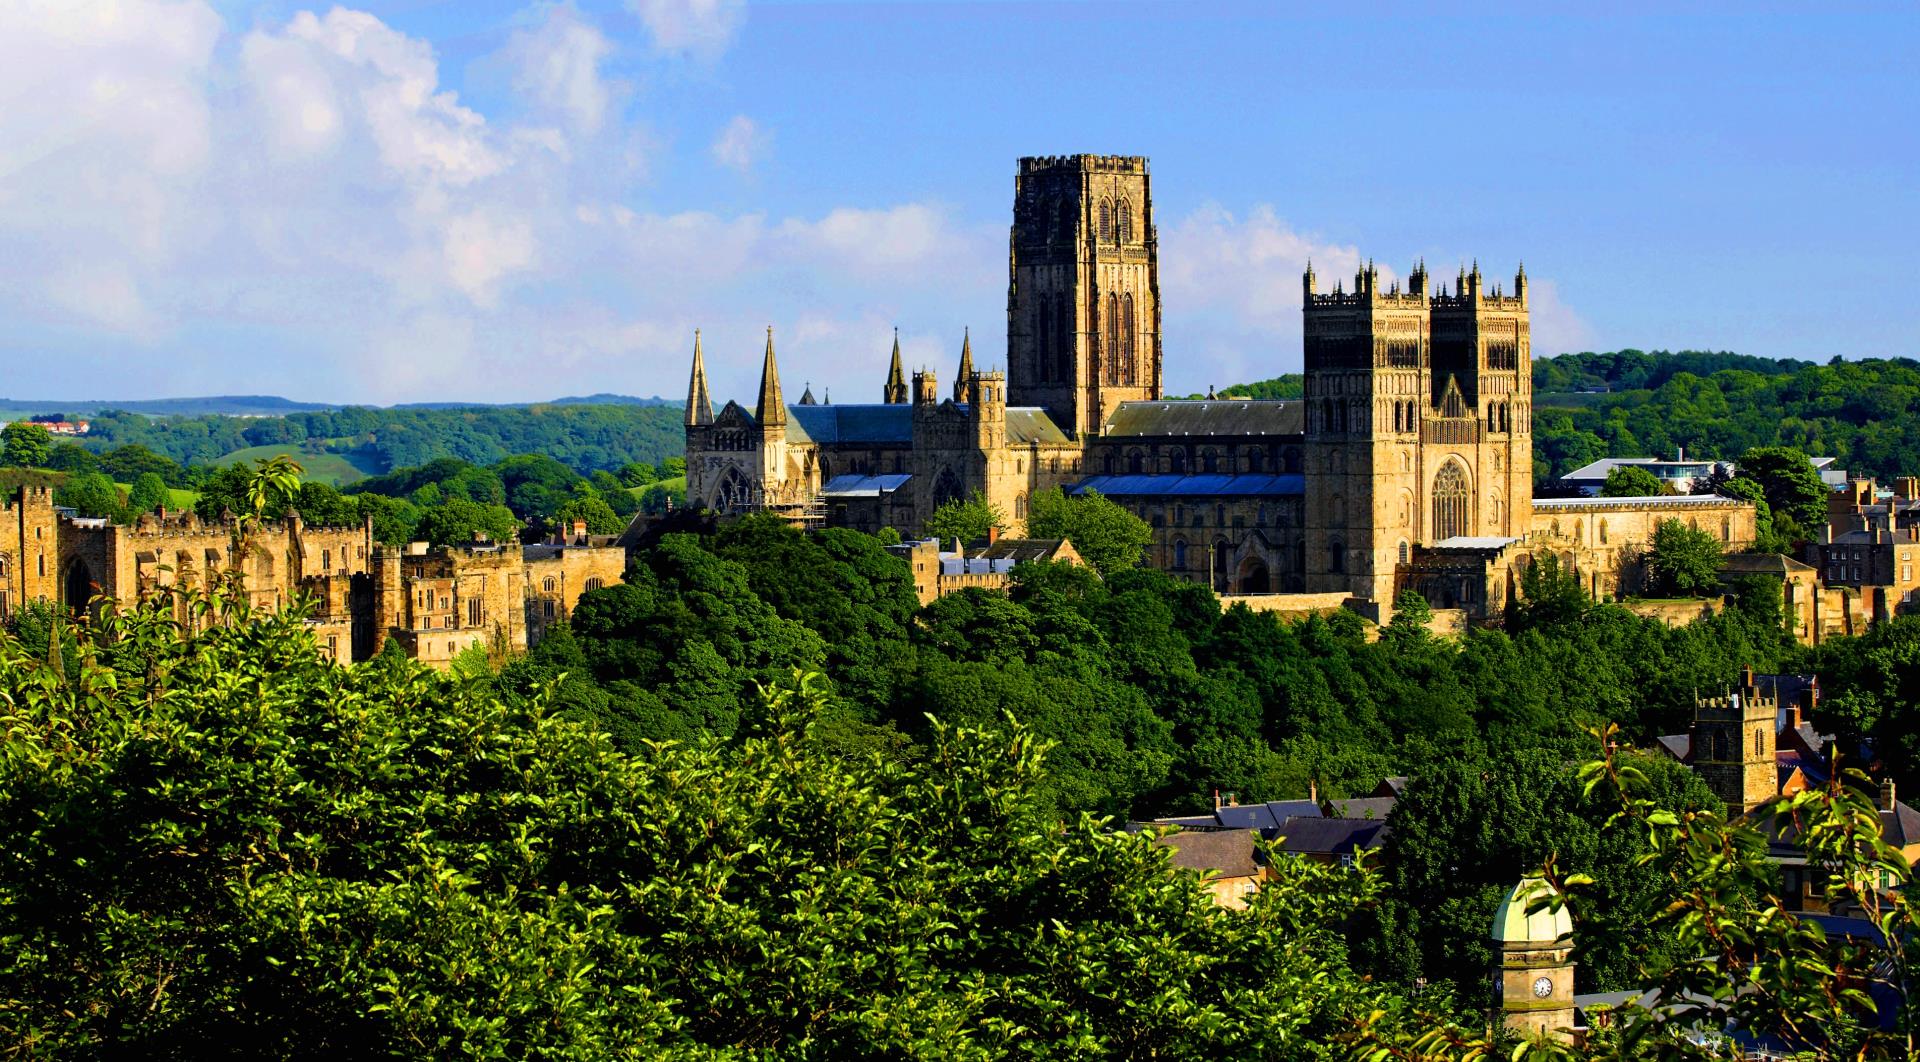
point(1030, 424)
point(856, 486)
point(1266, 816)
point(1228, 853)
point(1289, 484)
point(1762, 564)
point(1019, 550)
point(874, 423)
point(1206, 417)
point(891, 424)
point(1376, 808)
point(1321, 836)
point(1679, 746)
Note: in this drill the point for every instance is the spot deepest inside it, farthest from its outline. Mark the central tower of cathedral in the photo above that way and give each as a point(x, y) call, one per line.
point(1083, 295)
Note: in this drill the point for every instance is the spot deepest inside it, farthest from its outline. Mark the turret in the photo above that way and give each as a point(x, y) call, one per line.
point(966, 367)
point(1520, 283)
point(699, 403)
point(926, 388)
point(1307, 283)
point(771, 409)
point(1417, 280)
point(896, 390)
point(987, 408)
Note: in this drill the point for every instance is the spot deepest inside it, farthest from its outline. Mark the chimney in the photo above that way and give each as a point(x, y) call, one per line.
point(1313, 790)
point(1216, 800)
point(1887, 798)
point(1233, 799)
point(579, 530)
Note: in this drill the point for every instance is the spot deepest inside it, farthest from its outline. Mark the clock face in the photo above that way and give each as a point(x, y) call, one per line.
point(1542, 987)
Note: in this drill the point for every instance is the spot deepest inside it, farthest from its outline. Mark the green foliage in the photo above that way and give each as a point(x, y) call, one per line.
point(89, 494)
point(1871, 695)
point(24, 444)
point(594, 510)
point(458, 522)
point(1683, 561)
point(1787, 478)
point(1106, 535)
point(1632, 481)
point(965, 519)
point(1550, 595)
point(1289, 387)
point(583, 436)
point(248, 852)
point(1866, 412)
point(148, 493)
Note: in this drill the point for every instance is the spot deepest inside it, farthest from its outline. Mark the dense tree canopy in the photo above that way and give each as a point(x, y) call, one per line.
point(1632, 481)
point(1106, 535)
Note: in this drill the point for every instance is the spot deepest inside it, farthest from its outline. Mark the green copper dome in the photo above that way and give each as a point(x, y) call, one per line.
point(1512, 923)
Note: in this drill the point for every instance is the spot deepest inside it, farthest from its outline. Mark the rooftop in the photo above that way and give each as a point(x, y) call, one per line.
point(1224, 417)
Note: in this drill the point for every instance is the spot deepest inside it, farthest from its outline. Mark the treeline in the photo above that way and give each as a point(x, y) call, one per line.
point(588, 438)
point(1865, 413)
point(446, 501)
point(1644, 370)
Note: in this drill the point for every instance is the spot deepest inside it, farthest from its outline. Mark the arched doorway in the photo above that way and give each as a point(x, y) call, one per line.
point(1254, 578)
point(76, 590)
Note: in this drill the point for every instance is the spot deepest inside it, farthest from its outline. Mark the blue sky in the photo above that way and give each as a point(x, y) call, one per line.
point(499, 201)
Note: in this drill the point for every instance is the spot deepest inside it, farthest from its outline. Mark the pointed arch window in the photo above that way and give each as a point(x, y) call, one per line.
point(1106, 221)
point(1063, 340)
point(1112, 347)
point(1126, 221)
point(1450, 502)
point(1128, 369)
point(1043, 338)
point(1179, 554)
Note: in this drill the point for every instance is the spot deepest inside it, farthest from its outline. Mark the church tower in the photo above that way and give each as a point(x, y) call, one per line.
point(1482, 348)
point(1366, 400)
point(1733, 745)
point(1083, 294)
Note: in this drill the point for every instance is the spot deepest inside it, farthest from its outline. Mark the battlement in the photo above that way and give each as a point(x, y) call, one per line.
point(1090, 163)
point(32, 494)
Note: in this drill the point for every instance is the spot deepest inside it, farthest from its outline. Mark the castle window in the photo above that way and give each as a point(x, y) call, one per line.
point(1106, 463)
point(326, 560)
point(1020, 507)
point(594, 583)
point(1219, 516)
point(1759, 746)
point(1126, 221)
point(1129, 371)
point(1136, 462)
point(1209, 461)
point(1396, 416)
point(1406, 554)
point(1726, 529)
point(548, 609)
point(1106, 221)
point(1336, 557)
point(546, 585)
point(1179, 554)
point(1602, 529)
point(1450, 502)
point(473, 612)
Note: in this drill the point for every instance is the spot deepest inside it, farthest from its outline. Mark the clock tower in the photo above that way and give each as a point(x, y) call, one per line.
point(1533, 964)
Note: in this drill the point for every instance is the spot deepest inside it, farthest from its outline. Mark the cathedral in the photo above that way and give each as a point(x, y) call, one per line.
point(1407, 464)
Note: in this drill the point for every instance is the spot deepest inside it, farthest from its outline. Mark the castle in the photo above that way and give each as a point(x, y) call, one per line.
point(433, 603)
point(1408, 463)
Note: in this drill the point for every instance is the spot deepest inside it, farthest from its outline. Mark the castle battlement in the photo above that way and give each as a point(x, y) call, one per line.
point(1092, 163)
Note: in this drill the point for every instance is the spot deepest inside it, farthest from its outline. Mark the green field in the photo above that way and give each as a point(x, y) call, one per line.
point(335, 470)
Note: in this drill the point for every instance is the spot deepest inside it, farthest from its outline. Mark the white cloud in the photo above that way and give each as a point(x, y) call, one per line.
point(1557, 329)
point(558, 64)
point(701, 27)
point(741, 144)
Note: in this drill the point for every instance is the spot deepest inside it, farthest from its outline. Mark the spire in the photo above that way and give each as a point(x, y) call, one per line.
point(896, 389)
point(771, 409)
point(966, 367)
point(699, 405)
point(806, 396)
